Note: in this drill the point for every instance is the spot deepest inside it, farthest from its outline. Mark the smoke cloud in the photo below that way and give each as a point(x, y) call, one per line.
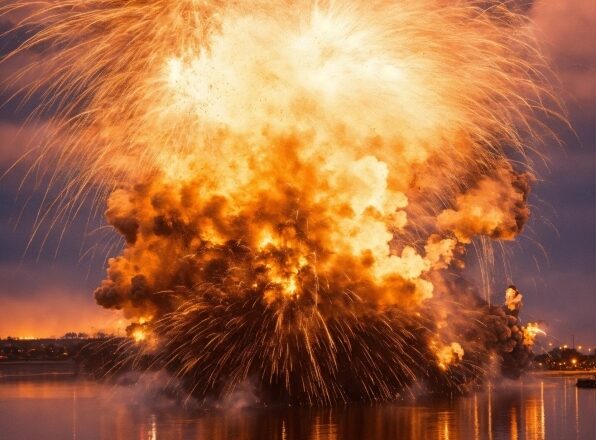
point(495, 207)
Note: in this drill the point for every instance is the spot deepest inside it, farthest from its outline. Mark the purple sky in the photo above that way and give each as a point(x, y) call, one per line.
point(47, 289)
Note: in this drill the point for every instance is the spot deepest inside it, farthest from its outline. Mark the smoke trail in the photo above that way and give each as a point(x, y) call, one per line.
point(296, 183)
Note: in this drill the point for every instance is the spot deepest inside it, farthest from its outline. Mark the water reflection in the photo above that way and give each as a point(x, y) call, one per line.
point(78, 409)
point(534, 416)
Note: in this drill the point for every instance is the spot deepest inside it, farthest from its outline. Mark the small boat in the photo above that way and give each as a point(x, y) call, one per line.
point(586, 382)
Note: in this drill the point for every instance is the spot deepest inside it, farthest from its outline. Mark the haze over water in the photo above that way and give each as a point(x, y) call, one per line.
point(66, 408)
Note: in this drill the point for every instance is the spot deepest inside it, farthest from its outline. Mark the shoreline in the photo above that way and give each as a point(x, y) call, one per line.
point(38, 362)
point(561, 372)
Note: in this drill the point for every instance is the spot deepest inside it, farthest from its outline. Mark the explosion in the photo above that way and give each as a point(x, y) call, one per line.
point(139, 335)
point(531, 331)
point(297, 182)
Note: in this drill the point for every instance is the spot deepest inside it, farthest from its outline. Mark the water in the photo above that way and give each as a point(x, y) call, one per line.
point(52, 407)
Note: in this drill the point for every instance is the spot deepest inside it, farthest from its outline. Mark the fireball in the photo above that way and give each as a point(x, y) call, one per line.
point(295, 182)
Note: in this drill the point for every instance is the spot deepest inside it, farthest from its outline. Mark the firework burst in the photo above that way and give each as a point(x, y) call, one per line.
point(296, 182)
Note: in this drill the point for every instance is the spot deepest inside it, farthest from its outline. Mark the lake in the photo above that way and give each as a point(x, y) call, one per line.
point(62, 406)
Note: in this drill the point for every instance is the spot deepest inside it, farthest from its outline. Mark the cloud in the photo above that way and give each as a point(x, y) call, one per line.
point(53, 311)
point(18, 142)
point(43, 299)
point(566, 32)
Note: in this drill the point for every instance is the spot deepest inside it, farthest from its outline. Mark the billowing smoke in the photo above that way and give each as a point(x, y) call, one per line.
point(297, 184)
point(496, 207)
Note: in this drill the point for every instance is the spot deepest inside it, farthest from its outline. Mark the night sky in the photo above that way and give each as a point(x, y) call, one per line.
point(46, 286)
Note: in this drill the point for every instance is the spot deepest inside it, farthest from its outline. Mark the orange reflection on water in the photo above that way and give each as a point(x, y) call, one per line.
point(514, 433)
point(444, 421)
point(534, 417)
point(80, 409)
point(476, 420)
point(490, 412)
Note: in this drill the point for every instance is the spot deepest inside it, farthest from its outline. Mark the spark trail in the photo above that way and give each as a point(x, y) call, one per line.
point(297, 182)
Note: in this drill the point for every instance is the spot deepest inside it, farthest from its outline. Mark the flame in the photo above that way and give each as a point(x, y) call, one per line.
point(513, 299)
point(449, 354)
point(139, 335)
point(531, 330)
